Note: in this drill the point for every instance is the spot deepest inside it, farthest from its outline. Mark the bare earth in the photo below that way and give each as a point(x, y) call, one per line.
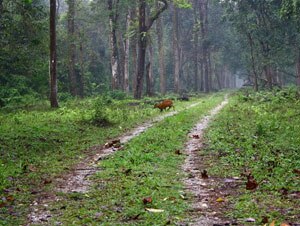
point(203, 210)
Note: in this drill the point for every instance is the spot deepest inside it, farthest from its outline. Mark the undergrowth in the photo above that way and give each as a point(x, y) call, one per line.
point(259, 133)
point(38, 143)
point(148, 167)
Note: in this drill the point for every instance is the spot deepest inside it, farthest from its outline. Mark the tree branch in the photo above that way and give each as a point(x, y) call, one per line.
point(154, 17)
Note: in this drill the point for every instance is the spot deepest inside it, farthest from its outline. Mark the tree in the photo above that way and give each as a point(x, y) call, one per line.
point(72, 48)
point(113, 23)
point(53, 75)
point(145, 23)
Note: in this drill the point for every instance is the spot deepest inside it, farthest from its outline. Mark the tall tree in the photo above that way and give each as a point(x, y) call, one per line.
point(161, 57)
point(72, 48)
point(53, 75)
point(145, 23)
point(114, 59)
point(176, 48)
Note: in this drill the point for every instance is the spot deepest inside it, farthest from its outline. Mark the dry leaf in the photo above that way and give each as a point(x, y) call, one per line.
point(195, 136)
point(31, 168)
point(251, 183)
point(147, 200)
point(265, 220)
point(273, 223)
point(220, 200)
point(204, 174)
point(284, 224)
point(154, 210)
point(178, 152)
point(296, 171)
point(10, 198)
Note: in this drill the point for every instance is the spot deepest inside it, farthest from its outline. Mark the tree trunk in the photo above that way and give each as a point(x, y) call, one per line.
point(255, 77)
point(161, 50)
point(126, 55)
point(203, 9)
point(195, 50)
point(176, 49)
point(113, 17)
point(149, 73)
point(81, 74)
point(142, 45)
point(298, 68)
point(142, 42)
point(72, 48)
point(53, 76)
point(121, 57)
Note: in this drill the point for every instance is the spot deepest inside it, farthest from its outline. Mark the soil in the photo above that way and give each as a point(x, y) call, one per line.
point(208, 199)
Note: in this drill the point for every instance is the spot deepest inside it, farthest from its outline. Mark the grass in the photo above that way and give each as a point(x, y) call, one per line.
point(260, 133)
point(148, 166)
point(37, 144)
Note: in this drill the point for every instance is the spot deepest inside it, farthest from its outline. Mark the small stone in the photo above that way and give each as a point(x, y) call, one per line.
point(250, 219)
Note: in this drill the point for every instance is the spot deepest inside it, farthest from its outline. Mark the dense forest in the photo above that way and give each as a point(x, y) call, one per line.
point(150, 112)
point(144, 47)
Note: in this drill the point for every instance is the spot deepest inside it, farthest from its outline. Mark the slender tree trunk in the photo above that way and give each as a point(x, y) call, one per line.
point(113, 17)
point(298, 68)
point(255, 77)
point(142, 45)
point(142, 42)
point(196, 50)
point(1, 13)
point(161, 50)
point(126, 55)
point(81, 74)
point(176, 49)
point(72, 48)
point(203, 8)
point(121, 57)
point(149, 73)
point(53, 76)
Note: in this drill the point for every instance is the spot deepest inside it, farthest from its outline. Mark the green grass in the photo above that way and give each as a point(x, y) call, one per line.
point(37, 144)
point(260, 133)
point(147, 167)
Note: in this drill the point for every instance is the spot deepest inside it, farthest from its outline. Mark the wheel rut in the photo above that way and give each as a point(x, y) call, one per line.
point(202, 211)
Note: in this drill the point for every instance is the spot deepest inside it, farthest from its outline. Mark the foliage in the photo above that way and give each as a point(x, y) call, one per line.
point(147, 166)
point(259, 133)
point(37, 143)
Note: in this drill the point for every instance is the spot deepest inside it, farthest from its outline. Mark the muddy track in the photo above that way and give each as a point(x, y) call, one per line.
point(77, 179)
point(203, 213)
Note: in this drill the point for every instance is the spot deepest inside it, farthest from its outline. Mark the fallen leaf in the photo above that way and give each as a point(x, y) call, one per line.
point(296, 171)
point(273, 223)
point(250, 219)
point(147, 200)
point(284, 224)
point(154, 210)
point(265, 220)
point(196, 136)
point(10, 198)
point(47, 181)
point(220, 200)
point(31, 168)
point(251, 183)
point(178, 152)
point(204, 174)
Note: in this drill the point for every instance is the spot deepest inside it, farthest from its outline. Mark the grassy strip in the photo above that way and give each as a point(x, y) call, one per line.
point(148, 166)
point(260, 133)
point(36, 145)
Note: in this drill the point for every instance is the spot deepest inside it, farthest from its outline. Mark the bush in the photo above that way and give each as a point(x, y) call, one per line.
point(100, 116)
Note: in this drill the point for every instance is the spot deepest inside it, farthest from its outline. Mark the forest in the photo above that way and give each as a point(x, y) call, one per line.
point(150, 112)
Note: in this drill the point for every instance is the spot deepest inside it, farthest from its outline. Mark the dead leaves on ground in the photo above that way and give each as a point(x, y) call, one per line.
point(273, 224)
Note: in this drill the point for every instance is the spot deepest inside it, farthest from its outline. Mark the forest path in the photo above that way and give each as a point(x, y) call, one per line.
point(77, 179)
point(202, 212)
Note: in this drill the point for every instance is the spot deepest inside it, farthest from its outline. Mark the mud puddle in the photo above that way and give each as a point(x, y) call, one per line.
point(77, 179)
point(197, 183)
